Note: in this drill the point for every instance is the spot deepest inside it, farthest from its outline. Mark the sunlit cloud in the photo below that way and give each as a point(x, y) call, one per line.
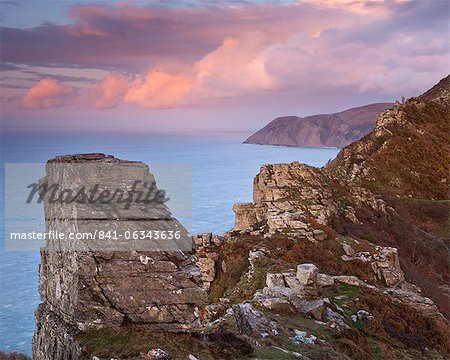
point(108, 92)
point(159, 58)
point(48, 93)
point(158, 89)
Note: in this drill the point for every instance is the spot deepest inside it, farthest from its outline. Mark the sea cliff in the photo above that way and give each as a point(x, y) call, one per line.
point(345, 261)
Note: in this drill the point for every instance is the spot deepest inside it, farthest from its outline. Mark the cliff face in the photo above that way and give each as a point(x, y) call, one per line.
point(375, 216)
point(348, 261)
point(337, 130)
point(390, 187)
point(99, 283)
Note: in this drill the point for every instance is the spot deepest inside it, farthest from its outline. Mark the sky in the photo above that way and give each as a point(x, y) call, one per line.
point(211, 65)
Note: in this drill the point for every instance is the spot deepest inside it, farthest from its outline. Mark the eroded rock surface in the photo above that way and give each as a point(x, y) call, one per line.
point(84, 287)
point(252, 322)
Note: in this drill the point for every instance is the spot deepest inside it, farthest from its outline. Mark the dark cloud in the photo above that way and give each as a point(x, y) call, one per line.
point(37, 75)
point(8, 66)
point(130, 37)
point(205, 56)
point(13, 86)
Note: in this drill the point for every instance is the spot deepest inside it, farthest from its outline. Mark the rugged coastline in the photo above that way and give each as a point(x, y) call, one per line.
point(344, 261)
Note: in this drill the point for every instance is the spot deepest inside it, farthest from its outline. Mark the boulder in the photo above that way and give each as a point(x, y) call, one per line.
point(362, 315)
point(422, 304)
point(324, 280)
point(252, 322)
point(301, 338)
point(278, 305)
point(335, 320)
point(314, 308)
point(274, 280)
point(293, 283)
point(278, 291)
point(157, 354)
point(349, 280)
point(387, 266)
point(307, 274)
point(384, 262)
point(348, 250)
point(320, 236)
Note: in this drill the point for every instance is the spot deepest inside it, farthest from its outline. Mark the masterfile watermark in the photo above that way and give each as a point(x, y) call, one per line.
point(56, 194)
point(101, 235)
point(98, 206)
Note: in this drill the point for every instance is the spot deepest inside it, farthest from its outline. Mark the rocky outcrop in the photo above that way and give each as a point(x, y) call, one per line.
point(103, 282)
point(438, 93)
point(53, 337)
point(360, 226)
point(384, 261)
point(250, 321)
point(206, 251)
point(337, 130)
point(287, 196)
point(303, 288)
point(284, 195)
point(319, 251)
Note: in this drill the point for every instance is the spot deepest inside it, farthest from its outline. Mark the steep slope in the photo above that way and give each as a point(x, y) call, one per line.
point(407, 152)
point(348, 261)
point(368, 234)
point(337, 130)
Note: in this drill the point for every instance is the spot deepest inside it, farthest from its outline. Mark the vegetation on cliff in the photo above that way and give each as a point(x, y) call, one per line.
point(404, 161)
point(349, 261)
point(386, 193)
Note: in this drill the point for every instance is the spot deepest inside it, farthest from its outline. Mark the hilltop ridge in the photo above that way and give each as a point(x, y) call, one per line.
point(332, 130)
point(406, 153)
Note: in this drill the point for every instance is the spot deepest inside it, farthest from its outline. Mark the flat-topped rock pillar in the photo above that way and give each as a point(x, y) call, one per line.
point(117, 260)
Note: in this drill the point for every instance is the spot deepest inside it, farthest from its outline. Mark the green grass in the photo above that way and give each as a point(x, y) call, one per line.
point(343, 294)
point(359, 324)
point(377, 354)
point(133, 342)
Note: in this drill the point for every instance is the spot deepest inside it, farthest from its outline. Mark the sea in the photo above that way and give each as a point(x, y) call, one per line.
point(222, 172)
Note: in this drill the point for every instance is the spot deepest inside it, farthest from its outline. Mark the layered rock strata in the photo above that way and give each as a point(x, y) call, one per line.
point(106, 283)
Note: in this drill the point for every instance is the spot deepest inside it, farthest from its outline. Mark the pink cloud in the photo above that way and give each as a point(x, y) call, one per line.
point(237, 66)
point(48, 93)
point(158, 89)
point(108, 92)
point(198, 56)
point(132, 37)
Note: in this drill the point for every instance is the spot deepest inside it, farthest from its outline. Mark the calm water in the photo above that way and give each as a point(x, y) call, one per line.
point(222, 174)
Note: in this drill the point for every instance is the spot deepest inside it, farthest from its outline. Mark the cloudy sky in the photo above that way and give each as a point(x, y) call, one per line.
point(231, 65)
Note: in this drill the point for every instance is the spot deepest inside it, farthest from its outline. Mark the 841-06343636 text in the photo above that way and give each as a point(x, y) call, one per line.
point(99, 234)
